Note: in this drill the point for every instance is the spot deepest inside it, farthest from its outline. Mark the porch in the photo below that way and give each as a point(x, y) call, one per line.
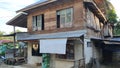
point(108, 52)
point(66, 49)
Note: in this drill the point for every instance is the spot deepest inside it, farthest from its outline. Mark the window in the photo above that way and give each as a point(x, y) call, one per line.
point(89, 44)
point(38, 22)
point(35, 49)
point(65, 18)
point(69, 51)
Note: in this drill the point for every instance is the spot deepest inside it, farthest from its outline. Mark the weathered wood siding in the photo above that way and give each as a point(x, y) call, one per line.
point(93, 25)
point(50, 23)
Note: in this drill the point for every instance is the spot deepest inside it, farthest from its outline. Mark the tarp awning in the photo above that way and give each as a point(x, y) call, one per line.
point(54, 46)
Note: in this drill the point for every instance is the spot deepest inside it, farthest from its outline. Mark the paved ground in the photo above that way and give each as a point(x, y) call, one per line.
point(19, 66)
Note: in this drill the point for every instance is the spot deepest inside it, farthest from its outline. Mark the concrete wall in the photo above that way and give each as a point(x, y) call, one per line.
point(32, 59)
point(78, 50)
point(97, 53)
point(63, 64)
point(88, 52)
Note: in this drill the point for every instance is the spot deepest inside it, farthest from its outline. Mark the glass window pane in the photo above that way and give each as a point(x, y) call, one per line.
point(66, 17)
point(62, 21)
point(34, 23)
point(39, 22)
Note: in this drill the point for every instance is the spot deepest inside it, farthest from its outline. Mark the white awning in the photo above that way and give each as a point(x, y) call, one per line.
point(54, 46)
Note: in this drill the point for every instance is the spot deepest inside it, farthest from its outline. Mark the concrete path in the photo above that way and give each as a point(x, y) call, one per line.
point(19, 66)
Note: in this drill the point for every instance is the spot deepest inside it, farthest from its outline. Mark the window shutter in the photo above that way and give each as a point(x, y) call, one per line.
point(42, 21)
point(58, 21)
point(39, 22)
point(34, 23)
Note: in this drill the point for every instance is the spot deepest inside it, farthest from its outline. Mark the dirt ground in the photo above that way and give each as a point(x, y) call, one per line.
point(19, 66)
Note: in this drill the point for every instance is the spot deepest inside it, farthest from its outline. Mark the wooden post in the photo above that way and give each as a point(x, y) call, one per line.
point(83, 50)
point(14, 35)
point(14, 40)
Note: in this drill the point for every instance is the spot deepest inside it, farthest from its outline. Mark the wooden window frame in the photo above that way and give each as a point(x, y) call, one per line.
point(39, 19)
point(62, 15)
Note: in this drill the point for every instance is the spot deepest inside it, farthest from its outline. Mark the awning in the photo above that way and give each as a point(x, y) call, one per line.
point(107, 44)
point(7, 35)
point(54, 46)
point(111, 43)
point(19, 20)
point(68, 34)
point(54, 43)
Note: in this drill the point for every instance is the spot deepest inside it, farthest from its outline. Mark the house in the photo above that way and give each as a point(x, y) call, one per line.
point(61, 30)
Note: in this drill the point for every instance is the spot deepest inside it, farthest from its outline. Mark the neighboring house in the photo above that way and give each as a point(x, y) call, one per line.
point(5, 41)
point(62, 28)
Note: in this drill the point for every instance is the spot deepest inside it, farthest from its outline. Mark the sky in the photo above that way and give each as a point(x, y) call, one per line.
point(116, 4)
point(8, 8)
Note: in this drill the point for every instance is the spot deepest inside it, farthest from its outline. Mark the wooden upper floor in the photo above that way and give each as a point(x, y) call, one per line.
point(60, 16)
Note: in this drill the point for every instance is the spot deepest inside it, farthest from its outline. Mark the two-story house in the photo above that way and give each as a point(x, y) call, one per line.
point(61, 28)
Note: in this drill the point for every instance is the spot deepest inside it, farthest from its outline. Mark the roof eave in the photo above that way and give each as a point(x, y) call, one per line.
point(19, 22)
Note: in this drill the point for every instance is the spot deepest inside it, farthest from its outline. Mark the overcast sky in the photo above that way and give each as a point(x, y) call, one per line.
point(8, 8)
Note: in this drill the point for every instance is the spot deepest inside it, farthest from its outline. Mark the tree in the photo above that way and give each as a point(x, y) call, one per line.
point(4, 38)
point(117, 28)
point(15, 31)
point(2, 32)
point(112, 16)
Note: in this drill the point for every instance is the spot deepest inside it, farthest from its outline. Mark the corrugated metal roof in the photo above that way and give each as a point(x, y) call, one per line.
point(26, 36)
point(19, 20)
point(116, 39)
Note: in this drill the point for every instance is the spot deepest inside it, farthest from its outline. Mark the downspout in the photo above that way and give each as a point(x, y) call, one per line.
point(14, 35)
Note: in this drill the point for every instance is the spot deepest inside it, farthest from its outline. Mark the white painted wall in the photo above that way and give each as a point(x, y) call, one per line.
point(78, 50)
point(32, 59)
point(87, 51)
